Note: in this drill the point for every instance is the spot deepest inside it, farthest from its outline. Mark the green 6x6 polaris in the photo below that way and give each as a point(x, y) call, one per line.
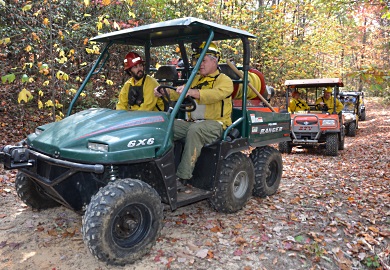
point(117, 168)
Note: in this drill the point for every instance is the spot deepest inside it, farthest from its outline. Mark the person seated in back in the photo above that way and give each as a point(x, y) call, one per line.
point(326, 102)
point(138, 92)
point(296, 103)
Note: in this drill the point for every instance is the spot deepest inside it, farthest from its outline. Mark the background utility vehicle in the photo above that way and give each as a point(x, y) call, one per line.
point(358, 99)
point(118, 167)
point(350, 111)
point(315, 128)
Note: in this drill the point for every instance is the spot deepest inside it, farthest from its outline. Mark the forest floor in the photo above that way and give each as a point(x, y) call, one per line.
point(329, 213)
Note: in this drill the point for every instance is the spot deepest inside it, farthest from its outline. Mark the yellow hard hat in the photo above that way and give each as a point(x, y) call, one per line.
point(211, 50)
point(328, 89)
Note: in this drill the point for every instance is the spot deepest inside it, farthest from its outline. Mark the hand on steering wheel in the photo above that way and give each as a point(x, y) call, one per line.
point(188, 104)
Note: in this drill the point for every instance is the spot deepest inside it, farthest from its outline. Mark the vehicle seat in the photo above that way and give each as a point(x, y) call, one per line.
point(167, 75)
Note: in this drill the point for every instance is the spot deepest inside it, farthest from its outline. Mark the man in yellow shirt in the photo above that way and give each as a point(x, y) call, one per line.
point(296, 103)
point(137, 93)
point(326, 102)
point(212, 92)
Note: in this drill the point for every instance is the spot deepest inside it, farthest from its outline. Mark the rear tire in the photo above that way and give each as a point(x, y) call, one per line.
point(235, 184)
point(363, 116)
point(332, 144)
point(351, 129)
point(285, 147)
point(268, 165)
point(123, 221)
point(32, 194)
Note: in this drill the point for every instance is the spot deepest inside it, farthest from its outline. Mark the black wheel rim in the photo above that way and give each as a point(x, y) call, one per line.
point(131, 224)
point(272, 173)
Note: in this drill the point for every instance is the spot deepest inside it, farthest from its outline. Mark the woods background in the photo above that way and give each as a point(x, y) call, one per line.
point(45, 51)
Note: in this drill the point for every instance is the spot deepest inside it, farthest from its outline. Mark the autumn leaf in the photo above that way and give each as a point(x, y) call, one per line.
point(45, 21)
point(216, 229)
point(106, 2)
point(26, 7)
point(62, 75)
point(99, 26)
point(76, 27)
point(240, 241)
point(5, 41)
point(9, 77)
point(34, 36)
point(49, 103)
point(24, 95)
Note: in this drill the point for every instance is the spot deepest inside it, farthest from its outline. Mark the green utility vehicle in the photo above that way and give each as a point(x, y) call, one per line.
point(350, 113)
point(353, 111)
point(315, 127)
point(117, 168)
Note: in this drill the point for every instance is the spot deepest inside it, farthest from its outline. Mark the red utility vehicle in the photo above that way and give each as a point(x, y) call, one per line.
point(315, 127)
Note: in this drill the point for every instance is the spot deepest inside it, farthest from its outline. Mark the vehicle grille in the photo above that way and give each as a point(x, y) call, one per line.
point(306, 122)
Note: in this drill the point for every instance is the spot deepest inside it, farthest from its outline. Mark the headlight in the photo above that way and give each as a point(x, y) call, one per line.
point(348, 116)
point(98, 147)
point(328, 122)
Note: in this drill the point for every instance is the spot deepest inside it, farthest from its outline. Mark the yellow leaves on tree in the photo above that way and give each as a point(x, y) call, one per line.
point(49, 103)
point(44, 69)
point(76, 27)
point(5, 41)
point(62, 75)
point(24, 95)
point(106, 2)
point(28, 48)
point(99, 26)
point(26, 8)
point(95, 50)
point(34, 36)
point(46, 21)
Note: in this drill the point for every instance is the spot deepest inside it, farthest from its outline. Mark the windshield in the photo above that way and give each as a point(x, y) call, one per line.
point(349, 103)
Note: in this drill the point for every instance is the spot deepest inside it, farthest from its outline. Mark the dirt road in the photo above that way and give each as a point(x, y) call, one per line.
point(329, 213)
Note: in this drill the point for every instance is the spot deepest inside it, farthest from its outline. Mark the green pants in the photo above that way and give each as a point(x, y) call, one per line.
point(196, 135)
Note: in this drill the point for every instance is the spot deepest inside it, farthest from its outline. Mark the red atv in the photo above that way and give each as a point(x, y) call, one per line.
point(315, 127)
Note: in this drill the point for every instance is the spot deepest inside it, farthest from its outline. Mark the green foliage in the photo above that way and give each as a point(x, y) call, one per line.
point(295, 39)
point(372, 262)
point(8, 78)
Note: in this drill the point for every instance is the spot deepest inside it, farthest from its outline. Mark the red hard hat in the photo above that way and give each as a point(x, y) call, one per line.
point(132, 59)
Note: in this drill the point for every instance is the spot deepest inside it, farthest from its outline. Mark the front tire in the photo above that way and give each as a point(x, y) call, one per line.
point(123, 221)
point(32, 194)
point(268, 165)
point(332, 144)
point(235, 184)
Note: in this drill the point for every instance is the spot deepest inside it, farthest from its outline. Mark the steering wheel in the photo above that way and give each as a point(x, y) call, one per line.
point(322, 107)
point(188, 104)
